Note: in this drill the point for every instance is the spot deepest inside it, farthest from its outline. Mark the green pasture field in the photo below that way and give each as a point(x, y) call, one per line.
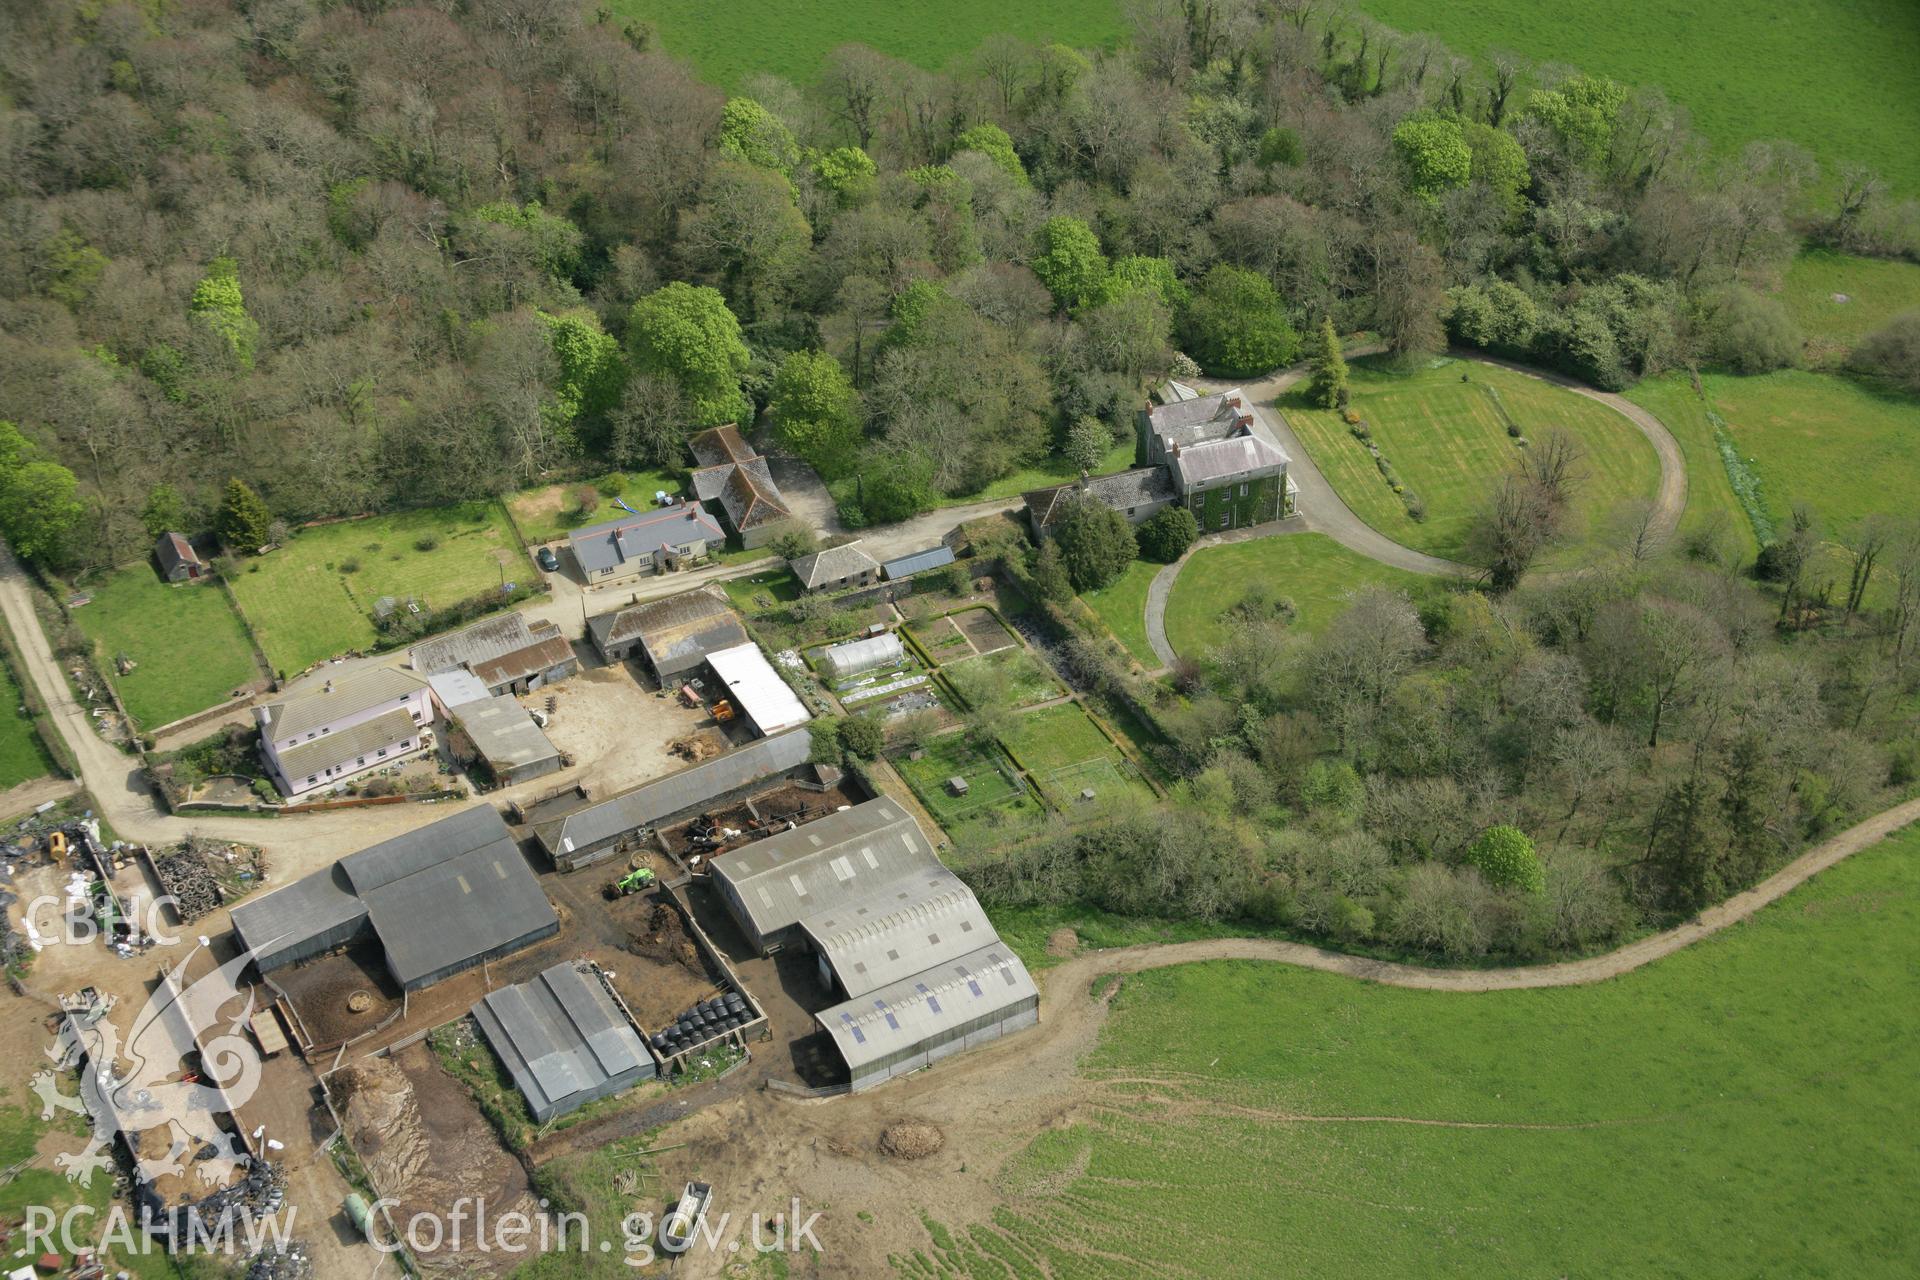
point(1711, 500)
point(790, 37)
point(1123, 607)
point(22, 758)
point(1876, 290)
point(1311, 569)
point(190, 649)
point(551, 511)
point(1844, 448)
point(1448, 442)
point(1737, 1109)
point(306, 608)
point(1835, 76)
point(992, 800)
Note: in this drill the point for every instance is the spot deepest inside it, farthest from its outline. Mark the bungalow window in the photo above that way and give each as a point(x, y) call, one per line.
point(311, 779)
point(309, 737)
point(382, 753)
point(362, 762)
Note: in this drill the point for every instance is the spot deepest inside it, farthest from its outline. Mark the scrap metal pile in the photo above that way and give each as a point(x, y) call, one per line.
point(202, 876)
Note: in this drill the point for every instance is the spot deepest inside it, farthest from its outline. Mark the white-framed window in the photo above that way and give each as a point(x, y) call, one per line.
point(362, 763)
point(1226, 519)
point(382, 753)
point(311, 779)
point(1243, 488)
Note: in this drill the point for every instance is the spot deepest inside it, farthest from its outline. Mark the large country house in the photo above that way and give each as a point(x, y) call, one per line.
point(1209, 454)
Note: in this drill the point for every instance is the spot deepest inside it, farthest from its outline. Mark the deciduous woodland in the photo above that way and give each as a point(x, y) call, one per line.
point(273, 261)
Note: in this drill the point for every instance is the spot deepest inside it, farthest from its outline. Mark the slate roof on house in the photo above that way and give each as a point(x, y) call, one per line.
point(448, 893)
point(924, 1007)
point(561, 1036)
point(918, 562)
point(1227, 459)
point(315, 706)
point(826, 864)
point(331, 750)
point(611, 543)
point(1189, 422)
point(674, 630)
point(719, 445)
point(751, 498)
point(831, 565)
point(1140, 487)
point(883, 937)
point(676, 793)
point(172, 551)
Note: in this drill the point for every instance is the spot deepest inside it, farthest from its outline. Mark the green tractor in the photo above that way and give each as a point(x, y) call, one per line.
point(640, 878)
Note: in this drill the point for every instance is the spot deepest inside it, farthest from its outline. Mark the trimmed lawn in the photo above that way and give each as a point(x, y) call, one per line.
point(1828, 74)
point(1064, 752)
point(790, 38)
point(1311, 569)
point(1876, 289)
point(22, 758)
point(190, 648)
point(1710, 495)
point(306, 607)
point(1123, 607)
point(1738, 1109)
point(549, 513)
point(994, 801)
point(1448, 442)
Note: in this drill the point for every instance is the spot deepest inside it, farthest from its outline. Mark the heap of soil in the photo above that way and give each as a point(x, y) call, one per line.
point(911, 1140)
point(377, 1108)
point(1062, 943)
point(664, 940)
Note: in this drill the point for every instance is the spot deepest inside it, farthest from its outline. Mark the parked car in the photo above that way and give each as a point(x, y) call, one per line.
point(547, 560)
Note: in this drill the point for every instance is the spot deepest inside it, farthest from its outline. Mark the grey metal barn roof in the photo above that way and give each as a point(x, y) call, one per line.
point(925, 1006)
point(275, 924)
point(504, 733)
point(449, 893)
point(918, 562)
point(825, 865)
point(675, 793)
point(484, 641)
point(878, 939)
point(562, 1037)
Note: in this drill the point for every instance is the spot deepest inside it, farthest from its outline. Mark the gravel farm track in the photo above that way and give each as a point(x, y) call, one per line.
point(991, 1102)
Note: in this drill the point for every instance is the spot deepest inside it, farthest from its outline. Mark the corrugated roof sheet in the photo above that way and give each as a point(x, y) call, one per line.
point(544, 655)
point(917, 562)
point(757, 689)
point(332, 750)
point(675, 630)
point(561, 1035)
point(676, 793)
point(456, 688)
point(898, 1017)
point(174, 551)
point(1228, 459)
point(879, 938)
point(313, 707)
point(827, 864)
point(482, 642)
